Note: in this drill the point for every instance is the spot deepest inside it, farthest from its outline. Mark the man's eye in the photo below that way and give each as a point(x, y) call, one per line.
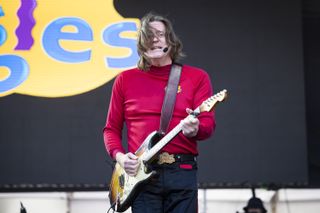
point(160, 34)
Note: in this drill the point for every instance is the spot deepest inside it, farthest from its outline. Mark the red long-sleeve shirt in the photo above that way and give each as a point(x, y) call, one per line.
point(137, 98)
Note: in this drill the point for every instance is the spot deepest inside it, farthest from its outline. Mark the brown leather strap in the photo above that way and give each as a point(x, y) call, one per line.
point(170, 97)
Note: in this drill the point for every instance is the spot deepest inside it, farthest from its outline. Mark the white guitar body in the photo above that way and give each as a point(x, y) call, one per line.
point(125, 188)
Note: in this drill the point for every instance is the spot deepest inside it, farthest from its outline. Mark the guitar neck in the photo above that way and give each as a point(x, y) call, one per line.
point(164, 141)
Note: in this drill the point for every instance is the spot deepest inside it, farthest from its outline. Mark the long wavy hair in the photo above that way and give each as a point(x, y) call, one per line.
point(145, 39)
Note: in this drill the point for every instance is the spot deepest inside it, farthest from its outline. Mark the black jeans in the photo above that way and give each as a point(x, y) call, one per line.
point(172, 190)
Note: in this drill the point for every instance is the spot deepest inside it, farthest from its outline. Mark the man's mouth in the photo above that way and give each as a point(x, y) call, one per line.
point(156, 48)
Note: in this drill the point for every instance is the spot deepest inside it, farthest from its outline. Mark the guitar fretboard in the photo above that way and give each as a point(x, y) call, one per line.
point(166, 139)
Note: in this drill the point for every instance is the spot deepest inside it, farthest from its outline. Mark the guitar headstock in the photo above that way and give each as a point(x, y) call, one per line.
point(210, 103)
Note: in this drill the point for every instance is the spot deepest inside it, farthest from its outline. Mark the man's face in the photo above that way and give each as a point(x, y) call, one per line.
point(159, 42)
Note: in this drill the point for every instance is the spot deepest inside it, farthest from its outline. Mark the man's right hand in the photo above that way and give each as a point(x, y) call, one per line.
point(129, 162)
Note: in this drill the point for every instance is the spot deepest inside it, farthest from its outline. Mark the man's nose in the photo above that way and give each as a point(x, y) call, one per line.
point(155, 38)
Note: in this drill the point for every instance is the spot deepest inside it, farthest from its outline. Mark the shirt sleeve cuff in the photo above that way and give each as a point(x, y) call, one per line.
point(114, 153)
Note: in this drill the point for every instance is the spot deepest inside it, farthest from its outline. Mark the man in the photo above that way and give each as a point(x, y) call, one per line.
point(136, 100)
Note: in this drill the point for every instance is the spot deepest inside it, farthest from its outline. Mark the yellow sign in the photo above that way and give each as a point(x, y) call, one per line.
point(57, 48)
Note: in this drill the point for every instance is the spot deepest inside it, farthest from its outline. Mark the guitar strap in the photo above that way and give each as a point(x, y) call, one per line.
point(170, 97)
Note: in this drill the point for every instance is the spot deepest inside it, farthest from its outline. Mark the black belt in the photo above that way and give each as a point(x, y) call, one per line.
point(184, 157)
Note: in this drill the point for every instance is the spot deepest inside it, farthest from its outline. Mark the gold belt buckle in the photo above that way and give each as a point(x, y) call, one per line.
point(165, 157)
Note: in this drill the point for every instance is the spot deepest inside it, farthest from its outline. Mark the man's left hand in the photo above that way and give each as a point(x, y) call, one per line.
point(190, 125)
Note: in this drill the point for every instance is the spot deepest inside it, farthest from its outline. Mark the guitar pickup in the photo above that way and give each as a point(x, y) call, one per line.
point(121, 181)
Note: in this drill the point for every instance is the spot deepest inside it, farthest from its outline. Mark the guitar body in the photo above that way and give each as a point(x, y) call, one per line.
point(124, 188)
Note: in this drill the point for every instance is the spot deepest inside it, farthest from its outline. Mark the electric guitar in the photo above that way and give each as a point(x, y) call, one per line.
point(124, 188)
